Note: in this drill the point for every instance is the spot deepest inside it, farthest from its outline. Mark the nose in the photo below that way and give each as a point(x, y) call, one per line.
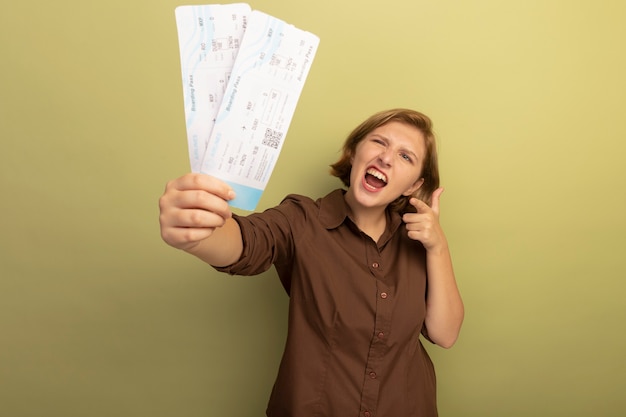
point(385, 156)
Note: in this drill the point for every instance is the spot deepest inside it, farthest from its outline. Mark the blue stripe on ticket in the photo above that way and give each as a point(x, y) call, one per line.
point(247, 197)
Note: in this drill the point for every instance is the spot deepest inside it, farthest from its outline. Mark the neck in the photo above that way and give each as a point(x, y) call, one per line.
point(370, 220)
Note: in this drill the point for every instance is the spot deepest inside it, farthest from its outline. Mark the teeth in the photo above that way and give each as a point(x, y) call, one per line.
point(377, 174)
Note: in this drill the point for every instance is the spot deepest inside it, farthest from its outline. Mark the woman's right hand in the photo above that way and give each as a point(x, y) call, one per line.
point(192, 208)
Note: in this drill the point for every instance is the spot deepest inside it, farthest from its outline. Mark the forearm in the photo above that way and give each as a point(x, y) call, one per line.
point(444, 306)
point(223, 247)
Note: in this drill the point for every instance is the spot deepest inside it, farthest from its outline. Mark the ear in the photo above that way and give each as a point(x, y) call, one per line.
point(416, 186)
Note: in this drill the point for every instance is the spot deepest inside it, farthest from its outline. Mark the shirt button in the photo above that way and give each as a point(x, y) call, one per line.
point(375, 265)
point(381, 335)
point(383, 295)
point(367, 414)
point(373, 375)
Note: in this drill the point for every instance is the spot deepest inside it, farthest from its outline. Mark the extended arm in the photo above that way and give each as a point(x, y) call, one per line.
point(195, 217)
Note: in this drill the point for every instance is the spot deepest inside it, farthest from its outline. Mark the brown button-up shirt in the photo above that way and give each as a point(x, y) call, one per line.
point(356, 311)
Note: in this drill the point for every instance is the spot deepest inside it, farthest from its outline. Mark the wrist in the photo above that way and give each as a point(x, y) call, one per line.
point(439, 249)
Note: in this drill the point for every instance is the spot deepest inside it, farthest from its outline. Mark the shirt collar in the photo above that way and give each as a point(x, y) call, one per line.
point(334, 210)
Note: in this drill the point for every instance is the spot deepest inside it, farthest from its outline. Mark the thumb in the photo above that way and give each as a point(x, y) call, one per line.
point(434, 199)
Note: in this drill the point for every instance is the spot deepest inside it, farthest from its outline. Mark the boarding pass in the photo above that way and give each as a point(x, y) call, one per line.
point(243, 72)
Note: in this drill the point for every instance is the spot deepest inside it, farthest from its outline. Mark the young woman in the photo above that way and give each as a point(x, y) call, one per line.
point(367, 270)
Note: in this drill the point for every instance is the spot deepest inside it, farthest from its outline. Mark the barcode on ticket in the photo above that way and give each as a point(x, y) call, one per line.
point(272, 138)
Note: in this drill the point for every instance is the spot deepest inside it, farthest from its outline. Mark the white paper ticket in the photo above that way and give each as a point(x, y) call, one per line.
point(258, 105)
point(209, 38)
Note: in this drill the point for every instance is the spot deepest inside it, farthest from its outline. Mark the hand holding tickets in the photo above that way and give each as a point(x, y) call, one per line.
point(243, 72)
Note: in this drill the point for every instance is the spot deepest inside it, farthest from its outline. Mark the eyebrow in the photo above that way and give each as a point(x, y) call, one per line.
point(386, 139)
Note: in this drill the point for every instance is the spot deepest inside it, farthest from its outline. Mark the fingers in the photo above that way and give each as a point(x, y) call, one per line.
point(192, 207)
point(202, 182)
point(196, 209)
point(424, 224)
point(198, 206)
point(422, 207)
point(423, 227)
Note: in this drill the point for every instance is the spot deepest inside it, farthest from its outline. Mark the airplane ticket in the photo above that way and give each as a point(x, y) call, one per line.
point(257, 107)
point(209, 38)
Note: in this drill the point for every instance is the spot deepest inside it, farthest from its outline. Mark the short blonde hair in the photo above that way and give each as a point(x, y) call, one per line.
point(430, 167)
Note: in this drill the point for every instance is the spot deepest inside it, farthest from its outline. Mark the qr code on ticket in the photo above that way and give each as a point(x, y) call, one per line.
point(272, 138)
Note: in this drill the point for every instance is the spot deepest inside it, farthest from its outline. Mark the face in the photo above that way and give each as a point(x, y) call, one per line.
point(386, 164)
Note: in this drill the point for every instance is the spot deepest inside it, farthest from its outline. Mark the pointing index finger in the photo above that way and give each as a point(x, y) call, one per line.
point(421, 206)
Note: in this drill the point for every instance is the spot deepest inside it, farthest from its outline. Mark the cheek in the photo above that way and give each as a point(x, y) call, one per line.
point(415, 173)
point(353, 176)
point(416, 179)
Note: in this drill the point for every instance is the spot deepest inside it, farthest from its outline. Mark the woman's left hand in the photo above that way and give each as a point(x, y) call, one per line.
point(424, 225)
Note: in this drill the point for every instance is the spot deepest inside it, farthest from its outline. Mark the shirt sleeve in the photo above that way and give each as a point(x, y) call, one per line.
point(425, 334)
point(268, 237)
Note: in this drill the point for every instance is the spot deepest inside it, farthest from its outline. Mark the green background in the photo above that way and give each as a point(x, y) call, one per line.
point(98, 317)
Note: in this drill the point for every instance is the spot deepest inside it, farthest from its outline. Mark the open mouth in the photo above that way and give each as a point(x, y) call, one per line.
point(375, 178)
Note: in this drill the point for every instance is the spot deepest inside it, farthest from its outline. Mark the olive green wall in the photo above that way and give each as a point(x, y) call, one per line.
point(99, 318)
